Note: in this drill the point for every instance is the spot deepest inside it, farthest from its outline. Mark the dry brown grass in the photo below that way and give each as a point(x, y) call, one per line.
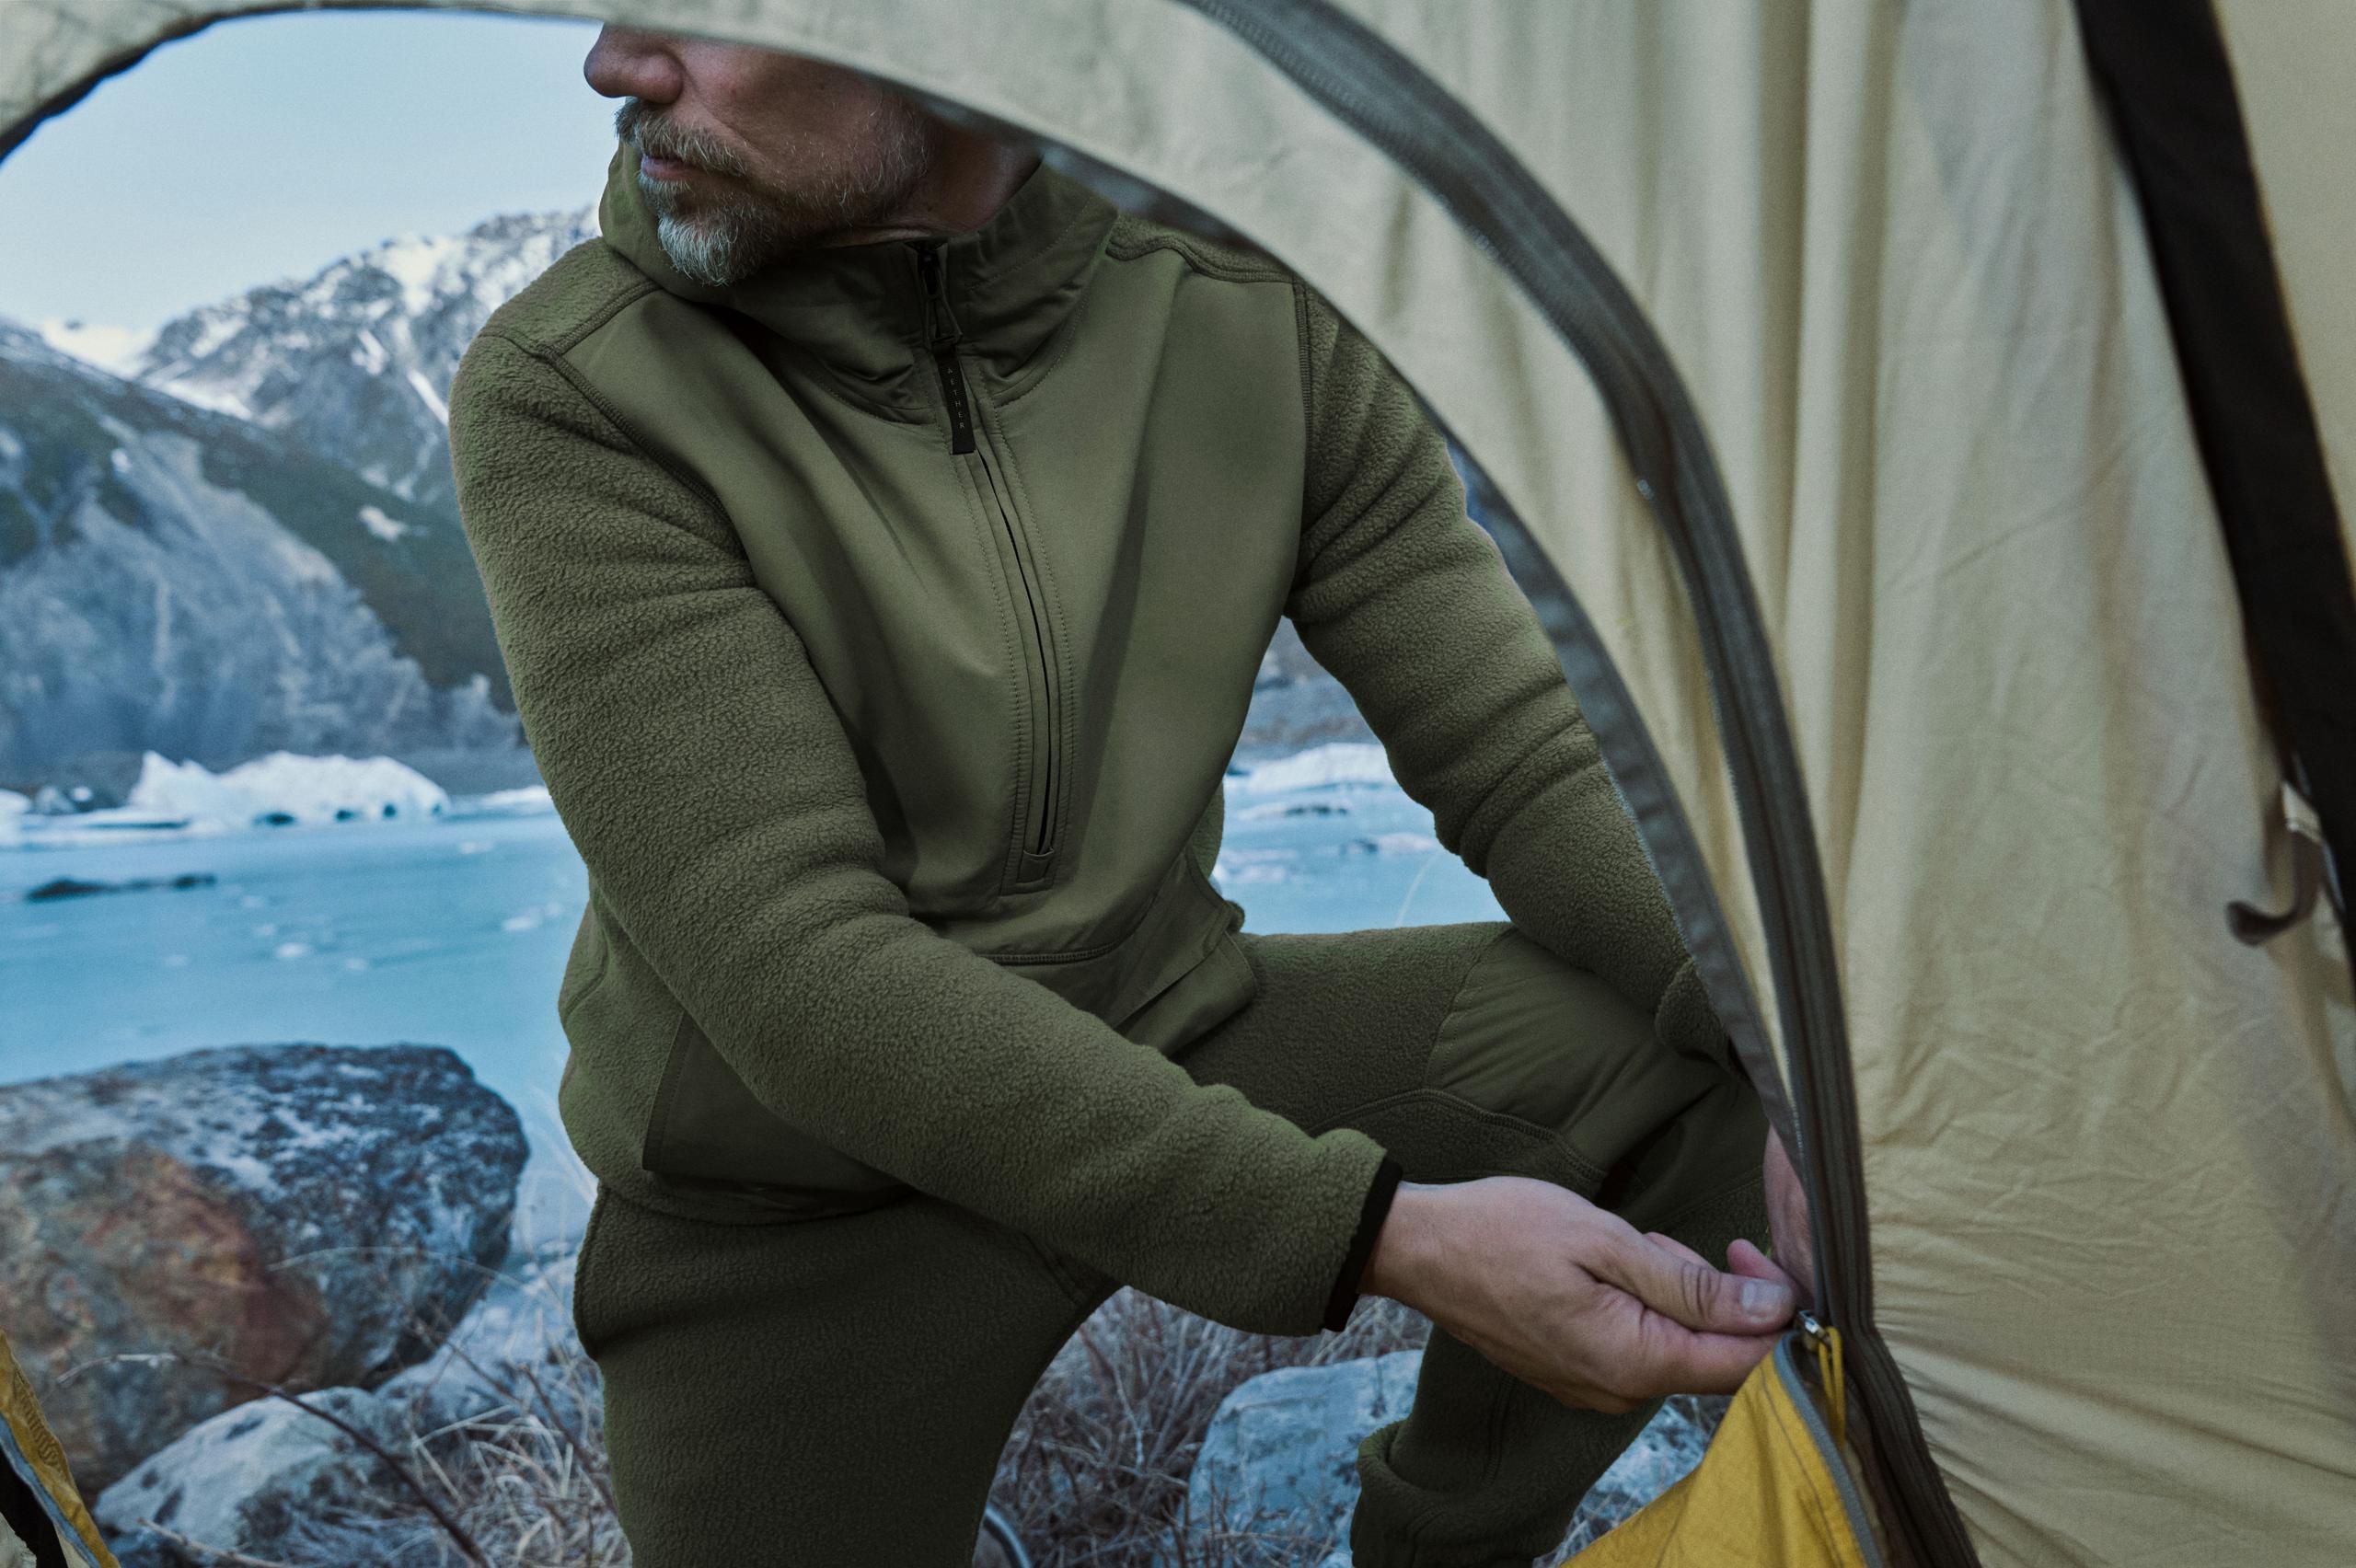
point(1095, 1473)
point(505, 1466)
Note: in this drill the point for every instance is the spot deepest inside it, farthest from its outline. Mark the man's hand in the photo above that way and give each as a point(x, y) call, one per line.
point(1570, 1298)
point(1787, 1228)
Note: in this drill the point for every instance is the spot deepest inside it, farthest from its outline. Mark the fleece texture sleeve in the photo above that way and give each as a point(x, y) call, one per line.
point(704, 775)
point(1403, 597)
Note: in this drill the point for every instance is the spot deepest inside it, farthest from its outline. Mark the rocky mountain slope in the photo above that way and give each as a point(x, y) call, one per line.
point(183, 580)
point(354, 362)
point(266, 556)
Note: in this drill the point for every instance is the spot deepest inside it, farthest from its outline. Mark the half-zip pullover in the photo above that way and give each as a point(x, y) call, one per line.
point(1032, 861)
point(884, 625)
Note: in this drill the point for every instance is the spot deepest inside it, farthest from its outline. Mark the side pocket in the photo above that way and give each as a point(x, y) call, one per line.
point(583, 1274)
point(709, 1132)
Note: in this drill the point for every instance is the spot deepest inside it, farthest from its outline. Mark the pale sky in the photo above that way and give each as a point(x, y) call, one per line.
point(265, 148)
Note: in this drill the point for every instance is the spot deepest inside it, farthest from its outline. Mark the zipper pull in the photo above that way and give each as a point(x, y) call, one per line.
point(941, 336)
point(1826, 1343)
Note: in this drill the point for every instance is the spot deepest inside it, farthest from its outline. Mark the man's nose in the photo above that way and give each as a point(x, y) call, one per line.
point(633, 62)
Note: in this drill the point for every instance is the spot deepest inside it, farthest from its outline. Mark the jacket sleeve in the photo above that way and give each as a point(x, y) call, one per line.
point(1408, 603)
point(706, 781)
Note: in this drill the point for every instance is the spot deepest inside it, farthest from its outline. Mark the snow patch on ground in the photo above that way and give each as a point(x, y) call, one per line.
point(432, 399)
point(216, 399)
point(115, 349)
point(415, 263)
point(389, 529)
point(282, 788)
point(369, 355)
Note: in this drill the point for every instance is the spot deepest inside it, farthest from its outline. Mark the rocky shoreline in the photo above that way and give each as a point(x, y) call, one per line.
point(270, 1298)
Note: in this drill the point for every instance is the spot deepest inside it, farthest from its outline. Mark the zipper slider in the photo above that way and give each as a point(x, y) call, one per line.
point(940, 322)
point(941, 336)
point(1826, 1343)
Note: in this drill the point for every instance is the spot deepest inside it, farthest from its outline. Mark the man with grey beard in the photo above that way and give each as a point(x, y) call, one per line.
point(883, 534)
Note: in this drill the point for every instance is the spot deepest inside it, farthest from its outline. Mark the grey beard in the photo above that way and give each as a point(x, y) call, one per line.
point(720, 248)
point(721, 245)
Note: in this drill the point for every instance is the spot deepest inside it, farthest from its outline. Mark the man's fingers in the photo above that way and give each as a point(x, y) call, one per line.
point(1690, 1292)
point(1745, 1259)
point(1677, 1361)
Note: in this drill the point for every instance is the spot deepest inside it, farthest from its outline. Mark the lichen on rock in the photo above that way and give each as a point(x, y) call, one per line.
point(174, 1233)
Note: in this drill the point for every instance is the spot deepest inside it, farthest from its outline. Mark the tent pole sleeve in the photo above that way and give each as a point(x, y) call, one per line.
point(2164, 72)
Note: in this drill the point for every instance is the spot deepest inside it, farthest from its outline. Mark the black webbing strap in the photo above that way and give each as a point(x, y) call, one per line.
point(2163, 68)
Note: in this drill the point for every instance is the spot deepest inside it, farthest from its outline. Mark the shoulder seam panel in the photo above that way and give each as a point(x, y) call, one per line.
point(628, 296)
point(556, 361)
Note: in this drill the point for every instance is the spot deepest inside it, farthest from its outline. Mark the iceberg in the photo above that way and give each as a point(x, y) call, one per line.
point(1357, 763)
point(282, 789)
point(532, 800)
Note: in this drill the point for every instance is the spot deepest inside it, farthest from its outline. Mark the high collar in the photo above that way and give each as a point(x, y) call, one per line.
point(862, 310)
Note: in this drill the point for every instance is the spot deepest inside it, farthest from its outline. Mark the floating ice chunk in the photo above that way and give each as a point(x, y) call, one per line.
point(532, 919)
point(292, 949)
point(1359, 762)
point(531, 800)
point(284, 788)
point(1391, 844)
point(1269, 809)
point(1254, 866)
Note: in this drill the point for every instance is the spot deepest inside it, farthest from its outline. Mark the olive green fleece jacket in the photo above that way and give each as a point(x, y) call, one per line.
point(883, 627)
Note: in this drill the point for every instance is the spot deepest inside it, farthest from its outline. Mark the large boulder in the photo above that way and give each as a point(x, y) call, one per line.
point(304, 1216)
point(1278, 1473)
point(274, 1483)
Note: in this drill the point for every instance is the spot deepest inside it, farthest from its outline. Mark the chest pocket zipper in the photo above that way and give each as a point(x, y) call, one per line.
point(1033, 860)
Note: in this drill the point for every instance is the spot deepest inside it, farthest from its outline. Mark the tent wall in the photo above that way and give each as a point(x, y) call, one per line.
point(2294, 60)
point(2109, 1152)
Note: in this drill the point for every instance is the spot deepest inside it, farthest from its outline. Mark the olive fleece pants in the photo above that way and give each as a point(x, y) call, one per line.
point(838, 1392)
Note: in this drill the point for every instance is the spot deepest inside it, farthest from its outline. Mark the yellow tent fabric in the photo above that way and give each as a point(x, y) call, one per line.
point(1764, 1496)
point(2108, 1152)
point(33, 1451)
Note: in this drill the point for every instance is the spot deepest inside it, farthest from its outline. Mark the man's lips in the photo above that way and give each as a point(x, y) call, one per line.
point(656, 167)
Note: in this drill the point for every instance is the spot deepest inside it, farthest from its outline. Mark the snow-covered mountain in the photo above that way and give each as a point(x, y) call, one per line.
point(237, 535)
point(354, 362)
point(184, 580)
point(250, 562)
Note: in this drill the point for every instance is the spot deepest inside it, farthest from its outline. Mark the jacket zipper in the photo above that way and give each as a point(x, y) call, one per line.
point(1035, 863)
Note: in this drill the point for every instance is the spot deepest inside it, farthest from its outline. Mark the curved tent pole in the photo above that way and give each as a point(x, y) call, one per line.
point(1360, 78)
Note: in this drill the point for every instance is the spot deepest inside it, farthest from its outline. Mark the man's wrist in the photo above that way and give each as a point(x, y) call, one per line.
point(1400, 1259)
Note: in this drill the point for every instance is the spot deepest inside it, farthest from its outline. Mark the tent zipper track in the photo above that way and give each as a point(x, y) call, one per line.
point(1363, 81)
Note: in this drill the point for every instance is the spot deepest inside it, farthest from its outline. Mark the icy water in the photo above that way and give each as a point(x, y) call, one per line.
point(453, 931)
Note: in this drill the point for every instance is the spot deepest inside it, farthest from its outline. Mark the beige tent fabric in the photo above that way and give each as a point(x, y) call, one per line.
point(2110, 1152)
point(2294, 60)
